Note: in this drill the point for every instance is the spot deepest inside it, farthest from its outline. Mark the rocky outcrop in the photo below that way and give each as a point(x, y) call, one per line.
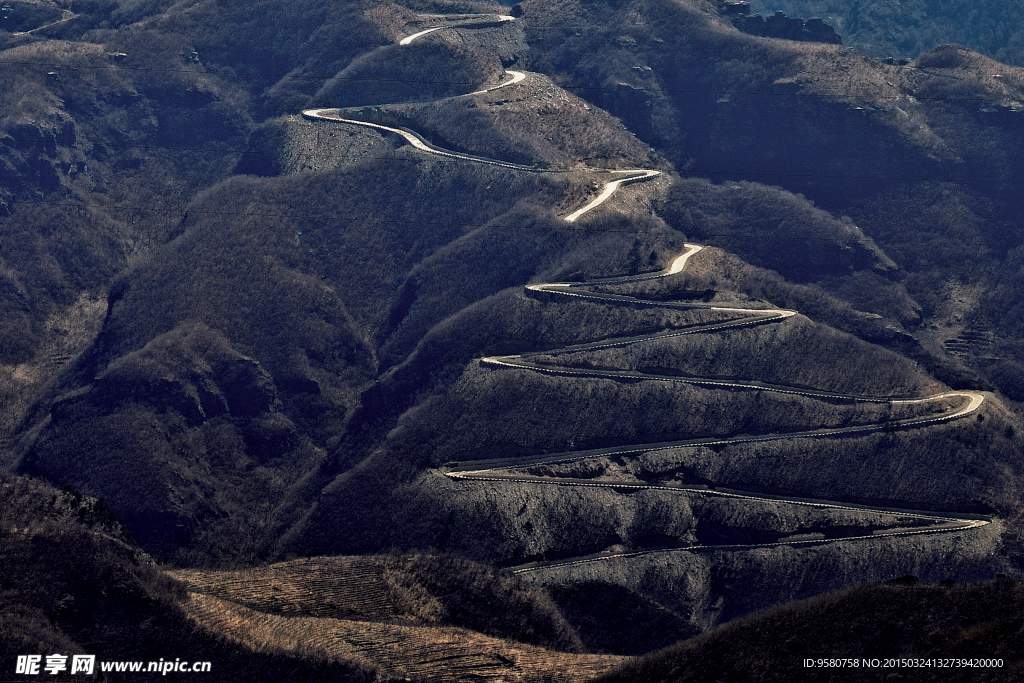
point(193, 371)
point(778, 25)
point(37, 157)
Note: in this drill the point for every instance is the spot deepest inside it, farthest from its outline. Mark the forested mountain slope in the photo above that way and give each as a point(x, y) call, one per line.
point(644, 309)
point(923, 159)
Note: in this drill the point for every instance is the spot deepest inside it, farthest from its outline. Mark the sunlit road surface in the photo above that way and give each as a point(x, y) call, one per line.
point(467, 20)
point(409, 39)
point(609, 189)
point(631, 175)
point(517, 77)
point(501, 470)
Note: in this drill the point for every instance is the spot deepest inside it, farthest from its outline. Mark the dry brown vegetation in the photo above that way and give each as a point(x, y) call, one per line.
point(822, 111)
point(532, 122)
point(424, 70)
point(394, 613)
point(826, 121)
point(345, 586)
point(313, 335)
point(417, 590)
point(431, 654)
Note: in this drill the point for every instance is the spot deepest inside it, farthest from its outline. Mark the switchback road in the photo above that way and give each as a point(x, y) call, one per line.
point(627, 175)
point(503, 470)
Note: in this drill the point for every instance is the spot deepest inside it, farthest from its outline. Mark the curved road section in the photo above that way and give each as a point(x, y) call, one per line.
point(418, 143)
point(472, 21)
point(502, 470)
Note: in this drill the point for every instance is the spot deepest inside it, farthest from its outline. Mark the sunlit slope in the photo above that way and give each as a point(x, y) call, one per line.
point(830, 121)
point(420, 590)
point(395, 614)
point(806, 447)
point(425, 653)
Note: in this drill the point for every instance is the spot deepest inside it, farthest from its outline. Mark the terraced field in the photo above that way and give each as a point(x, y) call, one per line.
point(433, 654)
point(352, 587)
point(299, 606)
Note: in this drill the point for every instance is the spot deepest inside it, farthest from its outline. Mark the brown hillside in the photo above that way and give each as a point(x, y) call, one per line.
point(390, 613)
point(429, 654)
point(262, 334)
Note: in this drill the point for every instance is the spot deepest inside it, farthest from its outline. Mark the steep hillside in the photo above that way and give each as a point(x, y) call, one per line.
point(829, 121)
point(276, 356)
point(647, 477)
point(923, 159)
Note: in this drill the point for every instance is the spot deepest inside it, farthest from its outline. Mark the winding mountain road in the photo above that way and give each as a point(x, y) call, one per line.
point(629, 175)
point(417, 142)
point(500, 470)
point(471, 21)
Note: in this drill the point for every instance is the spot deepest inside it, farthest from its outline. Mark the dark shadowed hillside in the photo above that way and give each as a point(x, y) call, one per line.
point(73, 584)
point(920, 632)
